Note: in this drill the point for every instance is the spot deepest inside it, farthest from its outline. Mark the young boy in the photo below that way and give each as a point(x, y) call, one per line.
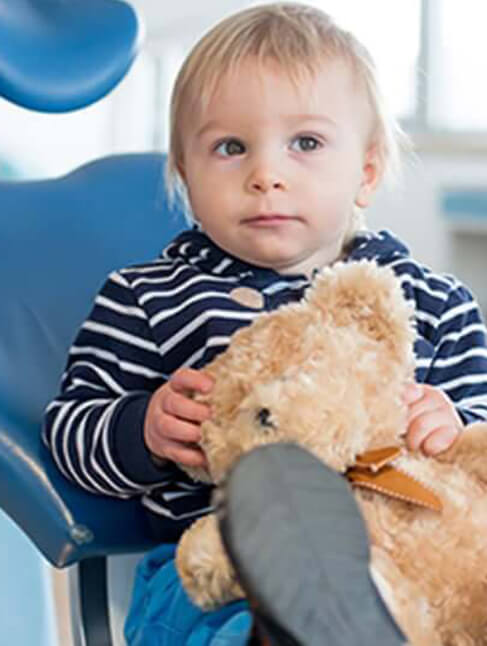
point(278, 140)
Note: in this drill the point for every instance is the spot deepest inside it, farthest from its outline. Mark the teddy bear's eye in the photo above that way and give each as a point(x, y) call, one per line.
point(264, 418)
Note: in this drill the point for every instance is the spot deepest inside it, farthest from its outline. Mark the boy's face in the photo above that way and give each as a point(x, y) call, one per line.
point(273, 172)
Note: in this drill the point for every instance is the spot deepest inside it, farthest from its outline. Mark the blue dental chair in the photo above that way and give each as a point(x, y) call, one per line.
point(58, 240)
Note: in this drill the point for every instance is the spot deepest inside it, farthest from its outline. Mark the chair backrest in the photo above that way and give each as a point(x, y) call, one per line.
point(59, 238)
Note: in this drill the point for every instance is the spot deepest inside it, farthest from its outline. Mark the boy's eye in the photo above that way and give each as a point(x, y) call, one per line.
point(305, 143)
point(230, 147)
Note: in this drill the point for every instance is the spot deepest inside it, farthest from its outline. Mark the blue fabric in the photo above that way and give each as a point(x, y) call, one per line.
point(161, 613)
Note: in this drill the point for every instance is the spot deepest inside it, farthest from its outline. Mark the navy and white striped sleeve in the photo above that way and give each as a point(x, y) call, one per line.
point(459, 365)
point(94, 428)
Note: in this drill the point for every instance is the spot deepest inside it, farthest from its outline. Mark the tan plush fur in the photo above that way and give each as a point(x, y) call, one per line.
point(331, 370)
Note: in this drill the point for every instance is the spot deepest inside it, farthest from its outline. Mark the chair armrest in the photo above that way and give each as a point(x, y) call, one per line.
point(65, 523)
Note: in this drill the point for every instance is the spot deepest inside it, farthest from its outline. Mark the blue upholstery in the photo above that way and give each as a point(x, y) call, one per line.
point(59, 55)
point(59, 239)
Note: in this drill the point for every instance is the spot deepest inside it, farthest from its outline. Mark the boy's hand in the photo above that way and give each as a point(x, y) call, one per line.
point(173, 419)
point(433, 422)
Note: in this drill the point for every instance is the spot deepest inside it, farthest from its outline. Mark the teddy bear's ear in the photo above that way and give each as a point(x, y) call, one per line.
point(368, 297)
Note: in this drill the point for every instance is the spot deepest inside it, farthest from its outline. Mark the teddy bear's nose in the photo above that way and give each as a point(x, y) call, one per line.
point(264, 417)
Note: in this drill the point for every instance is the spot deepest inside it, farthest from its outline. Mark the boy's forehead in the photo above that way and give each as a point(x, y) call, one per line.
point(255, 89)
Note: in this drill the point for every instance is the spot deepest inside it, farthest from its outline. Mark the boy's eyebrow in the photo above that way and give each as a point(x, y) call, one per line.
point(313, 117)
point(209, 125)
point(213, 124)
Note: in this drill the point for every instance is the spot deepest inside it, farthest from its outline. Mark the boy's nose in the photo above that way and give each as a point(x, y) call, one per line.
point(263, 181)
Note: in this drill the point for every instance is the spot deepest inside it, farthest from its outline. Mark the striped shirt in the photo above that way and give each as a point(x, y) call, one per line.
point(149, 320)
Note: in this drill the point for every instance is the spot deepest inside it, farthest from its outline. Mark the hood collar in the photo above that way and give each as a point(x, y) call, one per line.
point(195, 248)
point(381, 246)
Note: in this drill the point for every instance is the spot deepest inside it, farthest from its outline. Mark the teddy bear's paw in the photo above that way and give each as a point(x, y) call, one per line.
point(204, 568)
point(209, 588)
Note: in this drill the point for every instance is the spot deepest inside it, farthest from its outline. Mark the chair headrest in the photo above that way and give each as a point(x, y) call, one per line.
point(59, 55)
point(60, 238)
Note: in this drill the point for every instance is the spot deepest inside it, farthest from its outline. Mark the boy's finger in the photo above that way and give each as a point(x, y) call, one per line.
point(421, 427)
point(419, 408)
point(189, 379)
point(188, 455)
point(171, 428)
point(413, 392)
point(186, 409)
point(440, 440)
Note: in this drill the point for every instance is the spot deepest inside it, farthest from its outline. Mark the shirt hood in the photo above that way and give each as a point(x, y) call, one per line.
point(381, 246)
point(196, 249)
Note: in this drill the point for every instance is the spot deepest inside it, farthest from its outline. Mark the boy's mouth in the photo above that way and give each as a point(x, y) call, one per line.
point(269, 219)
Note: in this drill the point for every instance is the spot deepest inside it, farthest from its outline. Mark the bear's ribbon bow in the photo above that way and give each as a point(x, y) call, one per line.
point(373, 470)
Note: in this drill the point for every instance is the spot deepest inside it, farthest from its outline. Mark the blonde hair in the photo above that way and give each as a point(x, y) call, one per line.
point(299, 38)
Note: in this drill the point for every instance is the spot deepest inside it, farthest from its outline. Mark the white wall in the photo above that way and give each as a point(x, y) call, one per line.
point(413, 212)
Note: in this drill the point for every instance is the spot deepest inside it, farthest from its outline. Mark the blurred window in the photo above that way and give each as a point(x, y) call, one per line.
point(431, 56)
point(391, 32)
point(457, 65)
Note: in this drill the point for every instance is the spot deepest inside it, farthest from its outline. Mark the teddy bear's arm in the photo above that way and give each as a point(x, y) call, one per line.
point(469, 451)
point(203, 566)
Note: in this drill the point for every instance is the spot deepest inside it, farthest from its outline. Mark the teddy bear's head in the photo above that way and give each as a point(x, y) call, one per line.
point(327, 373)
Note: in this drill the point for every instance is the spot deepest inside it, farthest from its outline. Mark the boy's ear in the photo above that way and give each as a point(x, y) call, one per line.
point(371, 176)
point(180, 169)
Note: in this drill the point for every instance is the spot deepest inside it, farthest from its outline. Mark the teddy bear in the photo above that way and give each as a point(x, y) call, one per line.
point(328, 373)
